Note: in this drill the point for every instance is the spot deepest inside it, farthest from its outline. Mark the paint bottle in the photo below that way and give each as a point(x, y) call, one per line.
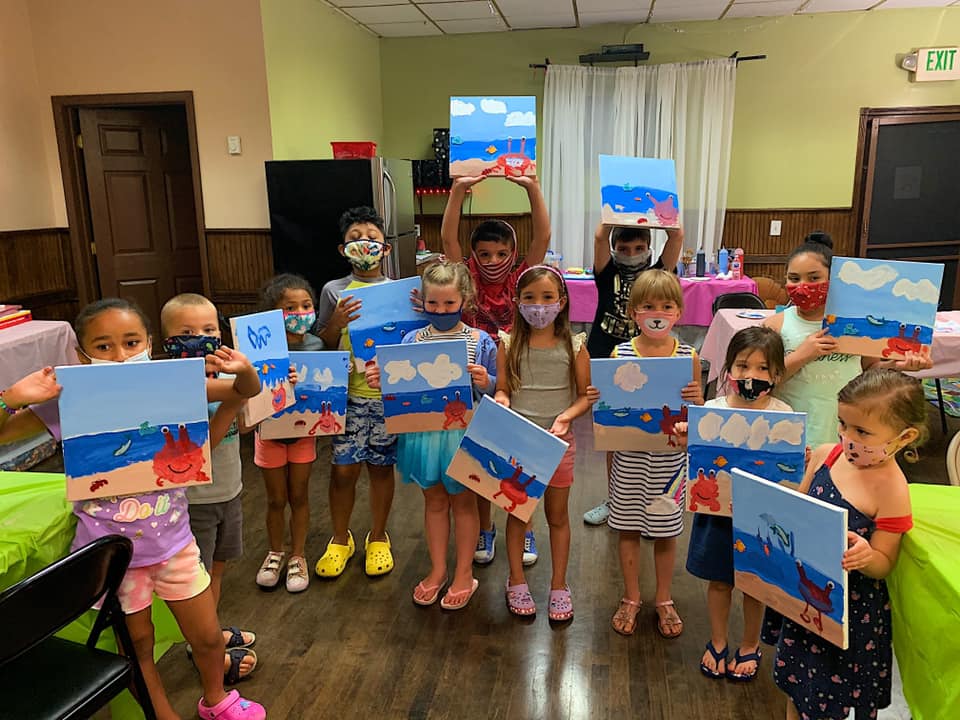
point(736, 267)
point(701, 263)
point(723, 260)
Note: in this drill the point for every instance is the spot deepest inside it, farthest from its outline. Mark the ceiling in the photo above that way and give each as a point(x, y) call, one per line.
point(406, 18)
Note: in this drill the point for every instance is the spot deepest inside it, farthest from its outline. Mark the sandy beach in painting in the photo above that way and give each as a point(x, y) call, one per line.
point(611, 437)
point(870, 347)
point(647, 219)
point(424, 422)
point(127, 480)
point(298, 424)
point(476, 167)
point(788, 606)
point(465, 469)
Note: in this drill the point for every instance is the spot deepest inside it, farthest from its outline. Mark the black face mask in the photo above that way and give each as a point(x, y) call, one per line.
point(191, 346)
point(752, 388)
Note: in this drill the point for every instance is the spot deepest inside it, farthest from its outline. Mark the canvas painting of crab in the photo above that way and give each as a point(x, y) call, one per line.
point(134, 427)
point(787, 553)
point(263, 339)
point(506, 458)
point(425, 386)
point(882, 308)
point(639, 191)
point(321, 397)
point(639, 402)
point(766, 443)
point(386, 315)
point(493, 135)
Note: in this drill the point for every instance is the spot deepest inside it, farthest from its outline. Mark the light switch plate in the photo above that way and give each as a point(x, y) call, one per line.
point(775, 226)
point(233, 144)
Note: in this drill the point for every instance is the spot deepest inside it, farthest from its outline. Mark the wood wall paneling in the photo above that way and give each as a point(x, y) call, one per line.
point(240, 261)
point(36, 271)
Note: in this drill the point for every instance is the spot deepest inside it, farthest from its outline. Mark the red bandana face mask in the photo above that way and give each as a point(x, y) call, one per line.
point(808, 296)
point(496, 272)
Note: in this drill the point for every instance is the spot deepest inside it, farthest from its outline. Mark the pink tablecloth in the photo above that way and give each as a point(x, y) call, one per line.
point(698, 297)
point(945, 350)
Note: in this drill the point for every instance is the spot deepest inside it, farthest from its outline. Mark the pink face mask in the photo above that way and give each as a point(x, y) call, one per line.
point(862, 455)
point(655, 324)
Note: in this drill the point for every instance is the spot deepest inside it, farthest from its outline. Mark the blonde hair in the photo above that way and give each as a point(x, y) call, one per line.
point(444, 274)
point(655, 285)
point(520, 332)
point(181, 301)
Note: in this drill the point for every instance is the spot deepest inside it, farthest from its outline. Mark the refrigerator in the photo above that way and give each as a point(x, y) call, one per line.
point(307, 197)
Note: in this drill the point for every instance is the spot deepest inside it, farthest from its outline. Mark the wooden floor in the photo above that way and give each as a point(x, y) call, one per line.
point(358, 647)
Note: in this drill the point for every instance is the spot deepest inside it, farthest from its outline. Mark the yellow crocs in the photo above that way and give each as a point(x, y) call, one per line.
point(379, 558)
point(334, 560)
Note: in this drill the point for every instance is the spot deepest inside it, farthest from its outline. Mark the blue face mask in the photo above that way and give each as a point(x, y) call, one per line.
point(191, 346)
point(299, 323)
point(444, 321)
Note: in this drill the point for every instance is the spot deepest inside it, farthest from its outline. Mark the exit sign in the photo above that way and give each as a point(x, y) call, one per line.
point(938, 64)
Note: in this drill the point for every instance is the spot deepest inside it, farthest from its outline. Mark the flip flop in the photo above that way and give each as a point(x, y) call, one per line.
point(662, 621)
point(233, 676)
point(452, 600)
point(431, 591)
point(717, 657)
point(738, 658)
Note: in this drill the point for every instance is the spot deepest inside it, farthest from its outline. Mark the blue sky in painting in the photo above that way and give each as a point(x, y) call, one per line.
point(260, 336)
point(655, 383)
point(638, 172)
point(122, 396)
point(385, 302)
point(894, 290)
point(417, 367)
point(492, 117)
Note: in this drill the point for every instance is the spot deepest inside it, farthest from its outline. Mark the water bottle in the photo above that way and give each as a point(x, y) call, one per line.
point(723, 260)
point(701, 263)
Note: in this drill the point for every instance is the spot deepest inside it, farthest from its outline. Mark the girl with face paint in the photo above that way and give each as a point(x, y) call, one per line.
point(881, 413)
point(639, 507)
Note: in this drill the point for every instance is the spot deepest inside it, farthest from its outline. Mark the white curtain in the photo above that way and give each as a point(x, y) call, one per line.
point(679, 111)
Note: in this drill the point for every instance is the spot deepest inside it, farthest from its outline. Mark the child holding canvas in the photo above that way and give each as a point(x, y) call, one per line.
point(365, 440)
point(423, 457)
point(752, 368)
point(881, 413)
point(493, 267)
point(543, 373)
point(639, 505)
point(286, 464)
point(165, 561)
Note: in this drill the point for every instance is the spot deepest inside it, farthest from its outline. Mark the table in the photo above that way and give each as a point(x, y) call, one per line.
point(925, 602)
point(36, 528)
point(698, 297)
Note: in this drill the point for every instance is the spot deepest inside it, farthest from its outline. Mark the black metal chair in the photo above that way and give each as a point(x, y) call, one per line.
point(42, 676)
point(738, 300)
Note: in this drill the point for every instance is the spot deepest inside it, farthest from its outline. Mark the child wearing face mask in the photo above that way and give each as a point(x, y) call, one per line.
point(881, 412)
point(286, 464)
point(543, 372)
point(422, 457)
point(166, 559)
point(619, 256)
point(365, 440)
point(643, 501)
point(753, 366)
point(494, 269)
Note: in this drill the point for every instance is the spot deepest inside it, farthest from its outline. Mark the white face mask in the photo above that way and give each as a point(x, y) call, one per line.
point(632, 261)
point(139, 357)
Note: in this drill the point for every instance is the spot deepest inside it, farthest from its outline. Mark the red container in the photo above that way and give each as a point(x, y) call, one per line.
point(353, 150)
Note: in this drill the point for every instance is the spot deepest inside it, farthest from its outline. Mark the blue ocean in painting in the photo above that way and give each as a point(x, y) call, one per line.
point(774, 466)
point(633, 199)
point(103, 452)
point(501, 468)
point(646, 420)
point(779, 567)
point(276, 371)
point(469, 149)
point(310, 398)
point(365, 341)
point(878, 328)
point(395, 404)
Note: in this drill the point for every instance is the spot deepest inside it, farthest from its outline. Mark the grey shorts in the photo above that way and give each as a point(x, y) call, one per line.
point(218, 528)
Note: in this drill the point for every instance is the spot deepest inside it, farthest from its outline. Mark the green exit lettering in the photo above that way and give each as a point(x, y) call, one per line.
point(941, 60)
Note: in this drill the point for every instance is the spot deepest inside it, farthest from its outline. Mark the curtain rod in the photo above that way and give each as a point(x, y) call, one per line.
point(546, 61)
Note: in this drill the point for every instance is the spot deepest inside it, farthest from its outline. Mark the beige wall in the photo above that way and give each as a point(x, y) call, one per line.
point(25, 199)
point(212, 47)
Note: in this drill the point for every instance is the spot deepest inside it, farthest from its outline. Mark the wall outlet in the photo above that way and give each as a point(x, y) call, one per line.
point(233, 144)
point(416, 229)
point(775, 226)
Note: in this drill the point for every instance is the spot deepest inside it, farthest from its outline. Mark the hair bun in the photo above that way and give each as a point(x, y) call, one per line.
point(819, 237)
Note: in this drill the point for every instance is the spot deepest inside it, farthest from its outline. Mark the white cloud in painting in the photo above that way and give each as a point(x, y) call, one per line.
point(441, 372)
point(323, 378)
point(399, 370)
point(709, 427)
point(736, 430)
point(459, 107)
point(520, 119)
point(875, 277)
point(755, 435)
point(758, 433)
point(493, 107)
point(788, 431)
point(922, 290)
point(629, 377)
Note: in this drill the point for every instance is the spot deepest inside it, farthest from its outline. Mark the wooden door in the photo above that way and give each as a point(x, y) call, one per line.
point(142, 207)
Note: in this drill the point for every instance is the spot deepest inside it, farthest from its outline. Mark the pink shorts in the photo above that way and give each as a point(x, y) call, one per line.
point(179, 578)
point(563, 477)
point(275, 454)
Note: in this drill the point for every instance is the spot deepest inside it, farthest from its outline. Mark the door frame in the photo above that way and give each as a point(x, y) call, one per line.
point(66, 124)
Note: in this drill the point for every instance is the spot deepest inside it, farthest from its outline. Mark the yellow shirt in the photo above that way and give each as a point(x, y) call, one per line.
point(357, 386)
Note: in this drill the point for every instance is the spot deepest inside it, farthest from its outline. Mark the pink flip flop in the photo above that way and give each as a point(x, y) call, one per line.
point(458, 600)
point(232, 707)
point(431, 591)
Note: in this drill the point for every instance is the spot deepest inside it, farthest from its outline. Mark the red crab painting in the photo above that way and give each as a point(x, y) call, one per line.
point(902, 344)
point(667, 213)
point(511, 163)
point(669, 421)
point(454, 412)
point(513, 489)
point(328, 422)
point(816, 597)
point(705, 491)
point(279, 398)
point(179, 461)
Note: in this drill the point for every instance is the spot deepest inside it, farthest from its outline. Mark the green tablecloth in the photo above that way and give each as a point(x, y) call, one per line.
point(925, 597)
point(36, 528)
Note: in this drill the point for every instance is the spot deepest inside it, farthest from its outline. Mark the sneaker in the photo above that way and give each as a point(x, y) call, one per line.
point(530, 554)
point(269, 574)
point(297, 577)
point(486, 546)
point(599, 515)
